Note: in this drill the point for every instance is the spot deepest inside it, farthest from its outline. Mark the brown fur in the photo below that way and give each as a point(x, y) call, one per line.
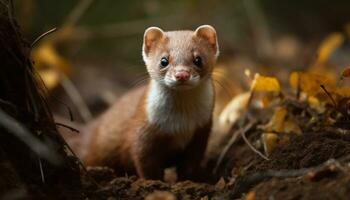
point(128, 138)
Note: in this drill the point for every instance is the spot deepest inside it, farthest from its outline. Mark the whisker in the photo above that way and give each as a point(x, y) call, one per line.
point(227, 91)
point(139, 81)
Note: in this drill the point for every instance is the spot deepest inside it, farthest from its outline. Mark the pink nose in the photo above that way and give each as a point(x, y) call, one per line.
point(182, 76)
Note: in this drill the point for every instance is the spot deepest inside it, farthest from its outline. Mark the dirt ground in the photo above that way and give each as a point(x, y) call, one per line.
point(310, 166)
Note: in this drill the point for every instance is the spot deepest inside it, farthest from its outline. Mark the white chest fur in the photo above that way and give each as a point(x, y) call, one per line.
point(180, 112)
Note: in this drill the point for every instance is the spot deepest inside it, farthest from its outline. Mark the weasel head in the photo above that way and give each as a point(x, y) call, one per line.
point(180, 59)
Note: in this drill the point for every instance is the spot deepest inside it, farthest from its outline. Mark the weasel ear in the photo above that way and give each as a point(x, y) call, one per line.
point(208, 33)
point(151, 36)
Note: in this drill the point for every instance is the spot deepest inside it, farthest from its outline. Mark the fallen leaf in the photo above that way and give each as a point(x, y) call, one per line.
point(232, 112)
point(291, 126)
point(170, 175)
point(265, 84)
point(49, 64)
point(46, 56)
point(161, 195)
point(310, 82)
point(276, 122)
point(316, 104)
point(328, 46)
point(220, 185)
point(346, 72)
point(250, 195)
point(50, 78)
point(205, 198)
point(269, 141)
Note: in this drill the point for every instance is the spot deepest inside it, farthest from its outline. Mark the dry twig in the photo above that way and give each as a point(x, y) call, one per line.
point(244, 184)
point(252, 147)
point(42, 36)
point(230, 143)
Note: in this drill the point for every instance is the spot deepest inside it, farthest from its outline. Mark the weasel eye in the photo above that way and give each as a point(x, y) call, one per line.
point(164, 62)
point(197, 61)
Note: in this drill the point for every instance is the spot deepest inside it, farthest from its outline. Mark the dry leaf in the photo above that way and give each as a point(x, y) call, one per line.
point(250, 195)
point(346, 73)
point(205, 198)
point(220, 185)
point(49, 64)
point(316, 104)
point(225, 88)
point(50, 78)
point(343, 92)
point(291, 126)
point(170, 175)
point(247, 73)
point(328, 46)
point(310, 82)
point(277, 120)
point(265, 84)
point(232, 112)
point(269, 141)
point(161, 195)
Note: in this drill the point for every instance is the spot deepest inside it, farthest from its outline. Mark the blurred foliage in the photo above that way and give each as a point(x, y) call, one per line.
point(112, 30)
point(116, 27)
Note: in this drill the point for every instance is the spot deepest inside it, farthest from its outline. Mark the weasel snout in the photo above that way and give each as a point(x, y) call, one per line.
point(182, 75)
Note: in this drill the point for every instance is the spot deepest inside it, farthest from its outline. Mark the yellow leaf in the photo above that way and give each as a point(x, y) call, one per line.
point(250, 196)
point(276, 122)
point(310, 82)
point(46, 56)
point(316, 104)
point(279, 122)
point(294, 80)
point(232, 112)
point(343, 92)
point(247, 73)
point(265, 84)
point(290, 126)
point(269, 141)
point(50, 78)
point(328, 46)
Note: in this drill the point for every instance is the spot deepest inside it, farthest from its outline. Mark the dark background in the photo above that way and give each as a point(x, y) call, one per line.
point(103, 48)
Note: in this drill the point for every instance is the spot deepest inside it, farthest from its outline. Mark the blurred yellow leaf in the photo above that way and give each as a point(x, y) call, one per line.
point(247, 73)
point(291, 126)
point(276, 122)
point(49, 64)
point(310, 82)
point(343, 92)
point(294, 80)
point(265, 84)
point(46, 56)
point(269, 141)
point(250, 196)
point(50, 78)
point(232, 112)
point(328, 46)
point(280, 123)
point(316, 104)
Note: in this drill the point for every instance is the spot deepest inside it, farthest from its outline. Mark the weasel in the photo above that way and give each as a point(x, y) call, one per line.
point(168, 121)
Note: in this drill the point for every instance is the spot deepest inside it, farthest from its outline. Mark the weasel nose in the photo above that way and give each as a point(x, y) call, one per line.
point(182, 76)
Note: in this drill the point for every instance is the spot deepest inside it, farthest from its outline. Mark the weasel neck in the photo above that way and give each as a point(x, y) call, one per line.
point(179, 111)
